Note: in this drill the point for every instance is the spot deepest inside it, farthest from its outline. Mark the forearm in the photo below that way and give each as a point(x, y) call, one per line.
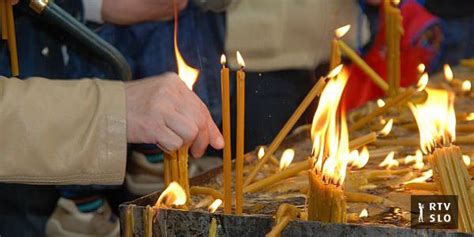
point(62, 132)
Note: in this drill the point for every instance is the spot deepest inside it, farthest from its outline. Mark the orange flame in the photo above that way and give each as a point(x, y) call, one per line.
point(260, 153)
point(223, 60)
point(286, 158)
point(380, 103)
point(466, 86)
point(419, 164)
point(421, 68)
point(467, 160)
point(214, 205)
point(174, 194)
point(470, 117)
point(334, 72)
point(341, 31)
point(362, 158)
point(187, 74)
point(448, 73)
point(387, 128)
point(240, 60)
point(436, 119)
point(425, 176)
point(422, 82)
point(389, 162)
point(330, 134)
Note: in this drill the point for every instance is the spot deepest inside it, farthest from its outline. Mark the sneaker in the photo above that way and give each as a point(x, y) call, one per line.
point(67, 220)
point(143, 177)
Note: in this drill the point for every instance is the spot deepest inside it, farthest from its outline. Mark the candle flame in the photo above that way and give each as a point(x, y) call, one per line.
point(380, 103)
point(436, 119)
point(364, 213)
point(424, 176)
point(187, 74)
point(330, 134)
point(173, 195)
point(422, 82)
point(214, 205)
point(341, 31)
point(448, 73)
point(353, 156)
point(389, 162)
point(419, 164)
point(470, 117)
point(260, 153)
point(396, 2)
point(362, 158)
point(387, 128)
point(240, 60)
point(334, 72)
point(466, 86)
point(467, 160)
point(223, 60)
point(421, 68)
point(286, 158)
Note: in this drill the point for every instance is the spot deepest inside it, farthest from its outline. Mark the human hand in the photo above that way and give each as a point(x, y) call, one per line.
point(126, 12)
point(163, 111)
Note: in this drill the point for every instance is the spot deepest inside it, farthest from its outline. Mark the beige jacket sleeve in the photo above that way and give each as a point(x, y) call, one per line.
point(62, 132)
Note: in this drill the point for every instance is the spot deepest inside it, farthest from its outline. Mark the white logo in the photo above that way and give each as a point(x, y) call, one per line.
point(420, 217)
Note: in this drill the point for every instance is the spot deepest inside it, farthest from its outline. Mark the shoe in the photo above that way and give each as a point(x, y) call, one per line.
point(67, 220)
point(143, 177)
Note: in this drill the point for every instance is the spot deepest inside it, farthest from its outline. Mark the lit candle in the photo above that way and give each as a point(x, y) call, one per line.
point(189, 76)
point(212, 208)
point(335, 51)
point(326, 201)
point(239, 164)
point(315, 91)
point(227, 153)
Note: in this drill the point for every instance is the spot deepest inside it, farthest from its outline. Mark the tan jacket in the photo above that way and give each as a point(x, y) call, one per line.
point(288, 34)
point(62, 132)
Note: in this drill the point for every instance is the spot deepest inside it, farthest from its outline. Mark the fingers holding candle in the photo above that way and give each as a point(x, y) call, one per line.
point(156, 114)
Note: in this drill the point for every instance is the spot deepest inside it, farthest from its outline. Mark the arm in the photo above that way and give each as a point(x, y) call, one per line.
point(76, 132)
point(58, 132)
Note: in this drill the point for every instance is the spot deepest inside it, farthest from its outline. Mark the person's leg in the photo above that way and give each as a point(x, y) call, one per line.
point(24, 209)
point(271, 98)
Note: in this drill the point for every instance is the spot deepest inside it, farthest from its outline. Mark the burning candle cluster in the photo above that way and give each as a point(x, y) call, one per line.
point(436, 121)
point(326, 201)
point(338, 171)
